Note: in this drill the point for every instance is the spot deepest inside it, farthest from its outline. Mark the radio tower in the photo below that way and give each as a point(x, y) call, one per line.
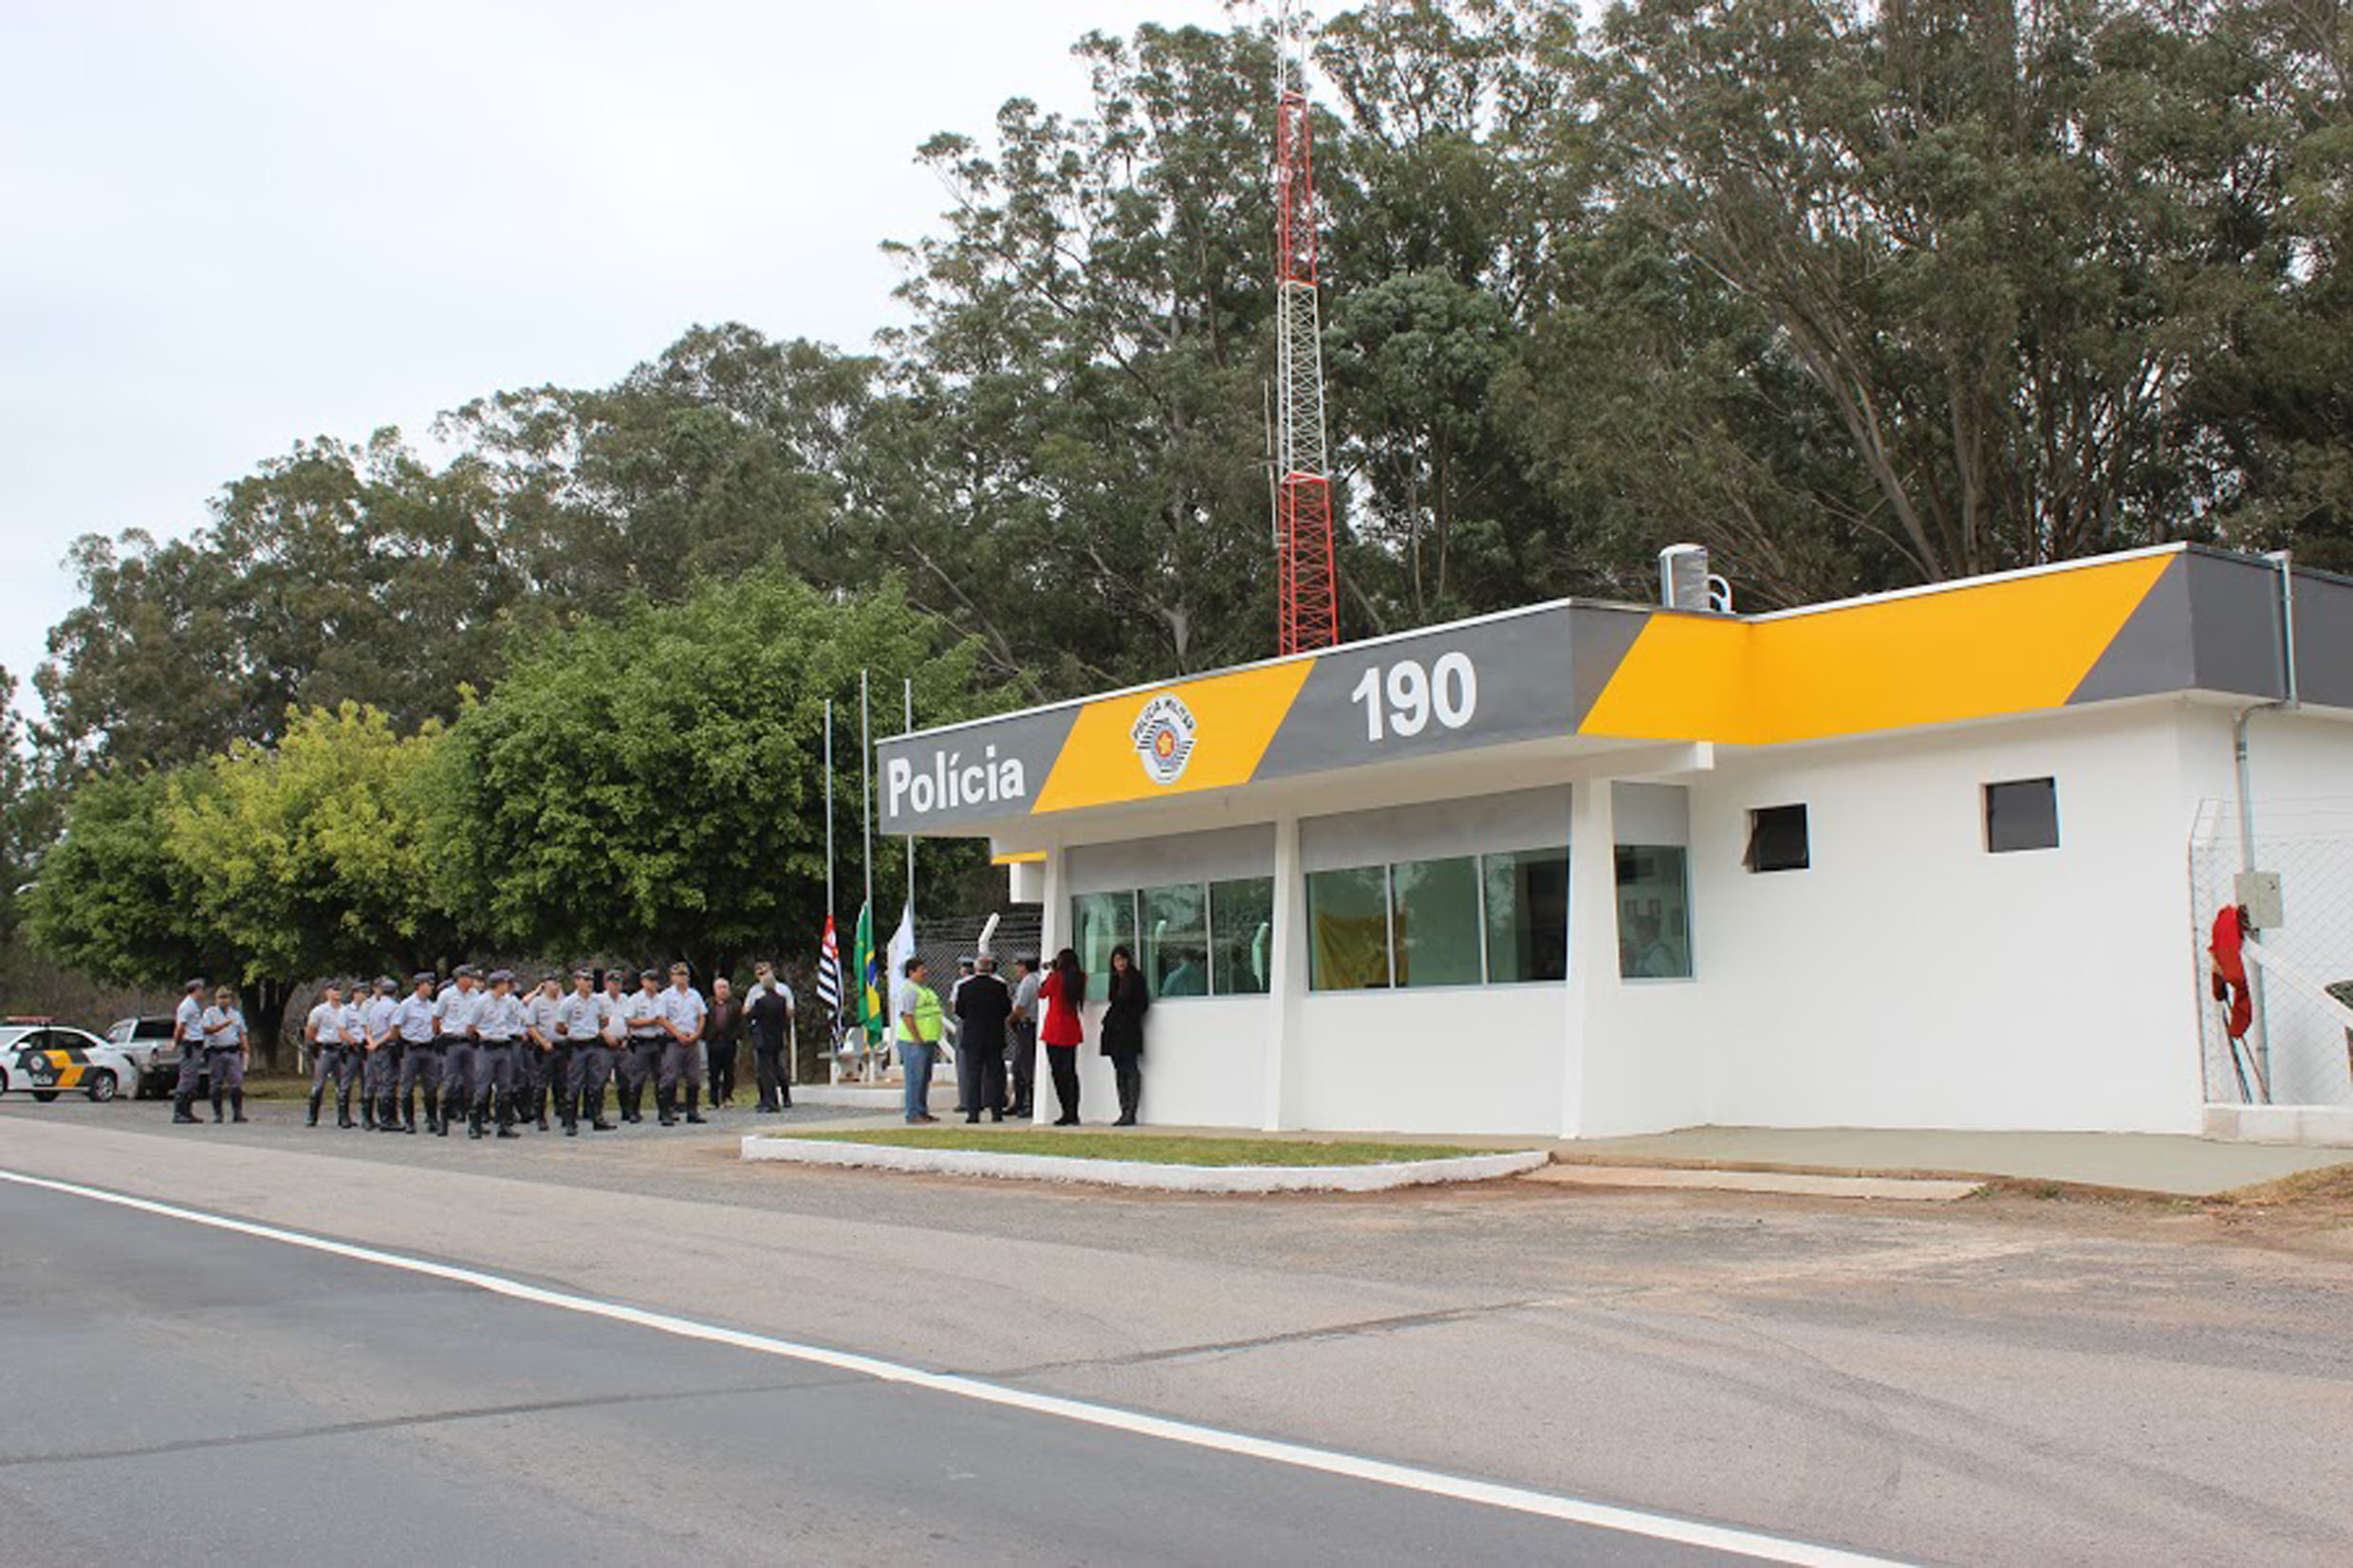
point(1307, 586)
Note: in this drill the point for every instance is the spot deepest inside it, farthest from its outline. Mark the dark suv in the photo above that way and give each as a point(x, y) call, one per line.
point(148, 1043)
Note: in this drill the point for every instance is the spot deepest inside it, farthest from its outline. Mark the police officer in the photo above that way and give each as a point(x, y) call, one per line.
point(682, 1013)
point(323, 1031)
point(580, 1056)
point(187, 1034)
point(420, 1057)
point(545, 1058)
point(355, 1050)
point(642, 1015)
point(378, 1077)
point(453, 1024)
point(225, 1051)
point(613, 1035)
point(497, 1026)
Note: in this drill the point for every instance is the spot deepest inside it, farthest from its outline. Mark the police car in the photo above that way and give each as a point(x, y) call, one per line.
point(47, 1059)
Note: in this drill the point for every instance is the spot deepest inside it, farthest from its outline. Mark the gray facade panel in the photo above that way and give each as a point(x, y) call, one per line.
point(982, 773)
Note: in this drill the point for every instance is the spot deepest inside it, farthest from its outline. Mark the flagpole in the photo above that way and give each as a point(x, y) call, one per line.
point(829, 808)
point(865, 778)
point(907, 697)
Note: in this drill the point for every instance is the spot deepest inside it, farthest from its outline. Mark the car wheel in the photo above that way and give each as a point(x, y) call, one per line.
point(103, 1087)
point(45, 1096)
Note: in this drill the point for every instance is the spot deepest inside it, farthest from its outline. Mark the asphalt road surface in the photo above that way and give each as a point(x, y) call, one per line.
point(1981, 1383)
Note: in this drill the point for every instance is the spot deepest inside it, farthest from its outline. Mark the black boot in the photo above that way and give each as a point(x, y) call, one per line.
point(216, 1106)
point(693, 1096)
point(343, 1108)
point(180, 1111)
point(506, 1124)
point(661, 1108)
point(367, 1112)
point(473, 1123)
point(236, 1104)
point(316, 1096)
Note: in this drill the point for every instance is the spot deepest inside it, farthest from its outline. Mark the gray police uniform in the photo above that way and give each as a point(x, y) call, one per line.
point(452, 1024)
point(188, 1027)
point(224, 1056)
point(683, 1011)
point(641, 1017)
point(579, 1051)
point(498, 1026)
point(420, 1060)
point(381, 1077)
point(325, 1028)
point(544, 1062)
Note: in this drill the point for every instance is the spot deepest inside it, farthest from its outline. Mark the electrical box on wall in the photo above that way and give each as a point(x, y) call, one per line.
point(2259, 890)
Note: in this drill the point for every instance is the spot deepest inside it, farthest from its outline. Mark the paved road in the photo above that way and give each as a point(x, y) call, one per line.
point(1998, 1382)
point(230, 1398)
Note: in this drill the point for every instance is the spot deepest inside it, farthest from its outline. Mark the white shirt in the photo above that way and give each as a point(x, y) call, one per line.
point(682, 1009)
point(579, 1019)
point(326, 1024)
point(189, 1019)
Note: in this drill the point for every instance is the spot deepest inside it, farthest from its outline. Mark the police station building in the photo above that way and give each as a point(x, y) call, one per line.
point(1911, 860)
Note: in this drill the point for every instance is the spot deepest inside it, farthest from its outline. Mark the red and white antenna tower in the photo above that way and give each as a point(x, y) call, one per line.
point(1307, 581)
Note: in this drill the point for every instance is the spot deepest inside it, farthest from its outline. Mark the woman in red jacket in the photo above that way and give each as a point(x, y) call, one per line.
point(1063, 989)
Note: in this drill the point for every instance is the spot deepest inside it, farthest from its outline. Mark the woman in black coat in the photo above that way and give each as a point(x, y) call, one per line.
point(1124, 1031)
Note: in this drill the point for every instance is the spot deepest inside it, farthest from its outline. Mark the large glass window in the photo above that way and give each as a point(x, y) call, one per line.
point(1526, 915)
point(1348, 929)
point(1241, 923)
point(1435, 914)
point(1175, 939)
point(1098, 922)
point(1654, 912)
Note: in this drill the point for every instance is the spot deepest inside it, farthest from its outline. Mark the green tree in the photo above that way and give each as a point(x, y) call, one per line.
point(652, 785)
point(113, 899)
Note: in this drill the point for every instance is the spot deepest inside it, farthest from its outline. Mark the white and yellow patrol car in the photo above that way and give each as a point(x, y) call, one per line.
point(47, 1059)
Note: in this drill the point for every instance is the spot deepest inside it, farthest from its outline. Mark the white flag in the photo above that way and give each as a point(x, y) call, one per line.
point(901, 948)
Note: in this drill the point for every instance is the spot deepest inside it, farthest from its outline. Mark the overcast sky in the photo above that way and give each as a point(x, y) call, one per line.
point(226, 224)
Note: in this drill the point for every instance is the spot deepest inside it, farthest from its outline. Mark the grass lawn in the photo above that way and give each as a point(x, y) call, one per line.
point(1146, 1148)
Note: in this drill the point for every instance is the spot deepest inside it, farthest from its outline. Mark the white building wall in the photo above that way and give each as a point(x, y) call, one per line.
point(1910, 979)
point(1453, 1059)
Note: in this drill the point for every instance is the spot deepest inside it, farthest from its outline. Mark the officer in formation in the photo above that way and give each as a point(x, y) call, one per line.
point(483, 1053)
point(334, 1055)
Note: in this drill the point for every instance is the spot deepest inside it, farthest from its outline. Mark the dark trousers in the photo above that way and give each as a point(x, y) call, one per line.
point(530, 1074)
point(420, 1067)
point(562, 1065)
point(980, 1075)
point(338, 1065)
point(190, 1072)
point(1128, 1068)
point(641, 1066)
point(1063, 1061)
point(457, 1074)
point(492, 1063)
point(1021, 1047)
point(771, 1074)
point(722, 1071)
point(381, 1081)
point(591, 1066)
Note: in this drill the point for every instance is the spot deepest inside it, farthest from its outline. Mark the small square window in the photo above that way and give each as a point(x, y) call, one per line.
point(2021, 814)
point(1777, 838)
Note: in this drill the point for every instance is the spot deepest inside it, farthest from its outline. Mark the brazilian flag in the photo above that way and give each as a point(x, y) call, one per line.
point(873, 1007)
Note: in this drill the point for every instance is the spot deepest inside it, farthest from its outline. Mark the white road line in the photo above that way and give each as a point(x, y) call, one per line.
point(1411, 1478)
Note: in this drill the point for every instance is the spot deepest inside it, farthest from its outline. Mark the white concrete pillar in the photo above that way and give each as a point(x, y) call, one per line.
point(1053, 935)
point(1287, 981)
point(1592, 939)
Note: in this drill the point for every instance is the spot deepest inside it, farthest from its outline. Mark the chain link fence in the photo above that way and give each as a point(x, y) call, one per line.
point(2300, 1049)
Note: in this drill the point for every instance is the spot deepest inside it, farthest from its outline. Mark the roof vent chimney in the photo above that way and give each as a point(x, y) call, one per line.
point(1685, 582)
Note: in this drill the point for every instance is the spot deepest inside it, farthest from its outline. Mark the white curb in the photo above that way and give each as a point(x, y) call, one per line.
point(1170, 1178)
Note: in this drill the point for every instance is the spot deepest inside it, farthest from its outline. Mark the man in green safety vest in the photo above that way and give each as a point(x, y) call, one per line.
point(921, 1023)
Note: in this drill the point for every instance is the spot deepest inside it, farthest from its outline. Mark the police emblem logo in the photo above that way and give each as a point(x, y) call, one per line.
point(1163, 735)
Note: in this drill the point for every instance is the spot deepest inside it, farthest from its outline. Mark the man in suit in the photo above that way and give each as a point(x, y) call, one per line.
point(982, 1005)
